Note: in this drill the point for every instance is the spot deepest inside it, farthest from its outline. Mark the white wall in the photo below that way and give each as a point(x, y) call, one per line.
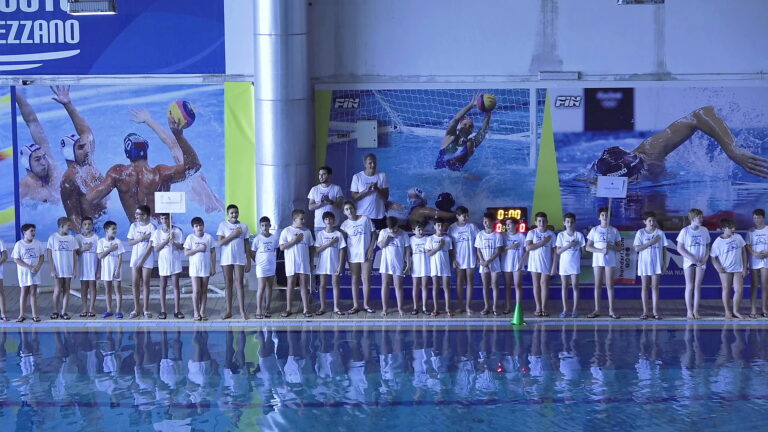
point(506, 40)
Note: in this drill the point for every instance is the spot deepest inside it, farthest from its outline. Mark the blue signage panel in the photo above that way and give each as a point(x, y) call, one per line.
point(39, 37)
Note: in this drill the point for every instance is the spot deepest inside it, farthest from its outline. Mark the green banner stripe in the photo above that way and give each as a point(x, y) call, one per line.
point(322, 119)
point(240, 150)
point(546, 193)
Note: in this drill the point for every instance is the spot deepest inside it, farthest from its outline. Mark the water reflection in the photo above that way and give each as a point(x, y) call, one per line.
point(172, 380)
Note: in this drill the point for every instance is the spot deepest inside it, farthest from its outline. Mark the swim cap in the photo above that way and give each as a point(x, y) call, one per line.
point(135, 147)
point(445, 202)
point(416, 197)
point(617, 162)
point(68, 146)
point(26, 152)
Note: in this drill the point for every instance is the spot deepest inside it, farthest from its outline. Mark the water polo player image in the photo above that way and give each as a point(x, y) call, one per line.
point(81, 174)
point(137, 181)
point(647, 159)
point(42, 179)
point(459, 144)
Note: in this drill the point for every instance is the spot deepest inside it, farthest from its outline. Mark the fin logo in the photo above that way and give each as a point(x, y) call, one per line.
point(346, 103)
point(568, 102)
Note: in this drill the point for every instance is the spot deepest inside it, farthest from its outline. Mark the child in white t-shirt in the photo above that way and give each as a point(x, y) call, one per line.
point(540, 245)
point(757, 246)
point(693, 245)
point(489, 245)
point(513, 257)
point(3, 259)
point(200, 247)
point(330, 248)
point(569, 245)
point(395, 263)
point(729, 258)
point(650, 244)
point(296, 241)
point(29, 255)
point(361, 239)
point(168, 242)
point(110, 252)
point(419, 267)
point(233, 250)
point(142, 260)
point(463, 234)
point(264, 251)
point(604, 241)
point(62, 256)
point(87, 241)
point(440, 250)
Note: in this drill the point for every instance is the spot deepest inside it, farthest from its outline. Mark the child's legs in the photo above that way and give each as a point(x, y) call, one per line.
point(697, 290)
point(262, 282)
point(204, 294)
point(645, 282)
point(336, 282)
point(65, 294)
point(461, 281)
point(726, 279)
point(176, 293)
point(435, 293)
point(355, 269)
point(610, 276)
point(564, 291)
point(576, 291)
point(239, 275)
point(84, 295)
point(764, 285)
point(23, 298)
point(690, 277)
point(599, 273)
point(92, 287)
point(304, 287)
point(33, 300)
point(495, 288)
point(518, 286)
point(754, 283)
point(508, 281)
point(136, 285)
point(485, 276)
point(2, 299)
point(57, 289)
point(415, 292)
point(323, 284)
point(268, 293)
point(544, 283)
point(470, 284)
point(536, 278)
point(738, 292)
point(385, 278)
point(399, 292)
point(289, 291)
point(108, 295)
point(228, 272)
point(196, 288)
point(655, 279)
point(146, 274)
point(424, 291)
point(117, 286)
point(367, 268)
point(446, 293)
point(163, 286)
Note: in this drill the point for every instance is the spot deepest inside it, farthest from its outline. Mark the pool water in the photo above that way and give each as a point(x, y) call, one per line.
point(543, 377)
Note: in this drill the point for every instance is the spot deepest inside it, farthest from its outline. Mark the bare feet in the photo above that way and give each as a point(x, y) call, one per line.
point(689, 317)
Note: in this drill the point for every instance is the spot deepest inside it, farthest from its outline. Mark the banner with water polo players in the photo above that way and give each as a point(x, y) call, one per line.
point(101, 151)
point(7, 208)
point(681, 147)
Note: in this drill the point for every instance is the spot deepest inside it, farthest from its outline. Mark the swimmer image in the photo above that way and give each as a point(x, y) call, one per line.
point(420, 212)
point(647, 159)
point(42, 179)
point(81, 174)
point(137, 182)
point(459, 144)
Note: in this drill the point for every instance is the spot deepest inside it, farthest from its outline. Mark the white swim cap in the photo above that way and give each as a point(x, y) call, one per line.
point(26, 152)
point(68, 146)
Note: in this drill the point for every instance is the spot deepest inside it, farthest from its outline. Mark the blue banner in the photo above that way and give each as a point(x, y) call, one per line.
point(39, 37)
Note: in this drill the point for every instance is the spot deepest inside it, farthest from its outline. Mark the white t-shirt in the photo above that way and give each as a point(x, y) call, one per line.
point(464, 244)
point(109, 262)
point(419, 257)
point(169, 257)
point(2, 249)
point(297, 256)
point(358, 237)
point(511, 260)
point(328, 259)
point(650, 261)
point(758, 240)
point(393, 254)
point(63, 249)
point(265, 250)
point(88, 263)
point(695, 242)
point(200, 263)
point(137, 231)
point(440, 263)
point(728, 251)
point(30, 253)
point(540, 260)
point(570, 260)
point(316, 194)
point(232, 253)
point(488, 244)
point(601, 238)
point(372, 205)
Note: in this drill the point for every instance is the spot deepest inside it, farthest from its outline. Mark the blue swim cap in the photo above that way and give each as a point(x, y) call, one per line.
point(617, 162)
point(135, 147)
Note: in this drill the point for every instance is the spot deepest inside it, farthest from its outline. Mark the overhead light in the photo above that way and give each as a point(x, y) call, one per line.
point(92, 7)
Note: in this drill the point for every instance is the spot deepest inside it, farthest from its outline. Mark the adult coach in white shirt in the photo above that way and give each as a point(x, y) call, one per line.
point(324, 197)
point(370, 189)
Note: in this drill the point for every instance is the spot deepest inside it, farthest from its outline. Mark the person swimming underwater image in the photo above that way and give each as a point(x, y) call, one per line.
point(459, 144)
point(648, 158)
